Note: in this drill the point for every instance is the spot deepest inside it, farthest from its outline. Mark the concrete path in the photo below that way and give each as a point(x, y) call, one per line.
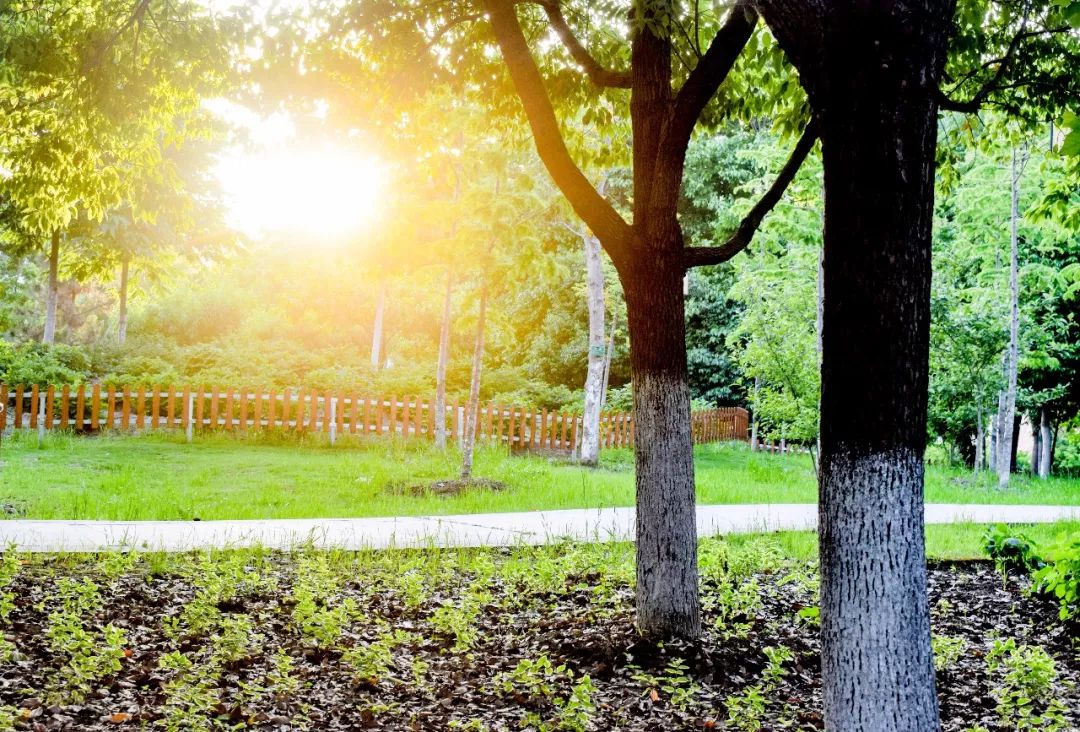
point(491, 529)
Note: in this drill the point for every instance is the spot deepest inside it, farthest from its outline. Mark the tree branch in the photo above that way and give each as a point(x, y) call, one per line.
point(597, 73)
point(709, 73)
point(597, 213)
point(993, 84)
point(701, 256)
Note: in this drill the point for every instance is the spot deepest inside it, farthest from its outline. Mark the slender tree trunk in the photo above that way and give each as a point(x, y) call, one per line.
point(874, 92)
point(1036, 444)
point(608, 355)
point(122, 319)
point(980, 439)
point(53, 292)
point(1007, 404)
point(1046, 443)
point(754, 424)
point(667, 577)
point(440, 369)
point(377, 330)
point(472, 413)
point(1015, 446)
point(598, 352)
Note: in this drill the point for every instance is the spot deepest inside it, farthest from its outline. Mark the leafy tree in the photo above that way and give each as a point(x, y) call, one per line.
point(873, 74)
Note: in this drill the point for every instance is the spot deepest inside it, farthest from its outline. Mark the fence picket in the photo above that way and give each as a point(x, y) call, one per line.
point(52, 407)
point(125, 409)
point(65, 407)
point(34, 406)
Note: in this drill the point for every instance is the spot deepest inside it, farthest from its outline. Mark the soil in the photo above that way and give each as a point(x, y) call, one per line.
point(573, 623)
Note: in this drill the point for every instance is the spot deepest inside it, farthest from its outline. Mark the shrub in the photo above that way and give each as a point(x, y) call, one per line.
point(1061, 577)
point(39, 363)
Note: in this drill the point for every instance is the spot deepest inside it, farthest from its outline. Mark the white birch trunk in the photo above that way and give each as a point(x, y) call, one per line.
point(122, 318)
point(598, 353)
point(52, 294)
point(440, 369)
point(1007, 402)
point(472, 413)
point(1046, 444)
point(377, 330)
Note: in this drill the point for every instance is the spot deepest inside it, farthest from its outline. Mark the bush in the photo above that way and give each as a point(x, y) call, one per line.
point(1061, 578)
point(1011, 550)
point(1067, 453)
point(42, 364)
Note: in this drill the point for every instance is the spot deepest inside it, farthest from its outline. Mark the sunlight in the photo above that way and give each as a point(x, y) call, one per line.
point(325, 193)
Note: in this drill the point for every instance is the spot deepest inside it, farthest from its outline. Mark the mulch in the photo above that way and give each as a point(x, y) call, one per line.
point(591, 633)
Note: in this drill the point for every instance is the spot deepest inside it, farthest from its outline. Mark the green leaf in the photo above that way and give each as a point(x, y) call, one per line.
point(1071, 146)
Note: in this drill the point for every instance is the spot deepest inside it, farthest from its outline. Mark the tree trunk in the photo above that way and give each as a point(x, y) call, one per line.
point(377, 330)
point(53, 292)
point(608, 355)
point(874, 93)
point(1036, 444)
point(754, 423)
point(1046, 443)
point(440, 369)
point(667, 577)
point(979, 438)
point(122, 319)
point(598, 352)
point(1015, 446)
point(468, 443)
point(1007, 404)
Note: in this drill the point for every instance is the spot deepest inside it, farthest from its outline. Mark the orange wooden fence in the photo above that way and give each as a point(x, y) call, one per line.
point(91, 408)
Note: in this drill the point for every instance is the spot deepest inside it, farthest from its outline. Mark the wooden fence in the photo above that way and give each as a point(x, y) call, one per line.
point(134, 409)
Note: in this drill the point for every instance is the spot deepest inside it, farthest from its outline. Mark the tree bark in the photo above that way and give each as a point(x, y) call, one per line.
point(1036, 443)
point(377, 330)
point(667, 577)
point(1007, 403)
point(122, 318)
point(440, 368)
point(594, 378)
point(980, 439)
point(1046, 443)
point(52, 294)
point(871, 71)
point(468, 442)
point(1015, 446)
point(754, 423)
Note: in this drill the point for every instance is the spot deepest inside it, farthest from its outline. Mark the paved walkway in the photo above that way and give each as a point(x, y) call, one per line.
point(491, 529)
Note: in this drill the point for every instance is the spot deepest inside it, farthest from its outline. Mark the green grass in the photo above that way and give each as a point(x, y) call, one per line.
point(273, 476)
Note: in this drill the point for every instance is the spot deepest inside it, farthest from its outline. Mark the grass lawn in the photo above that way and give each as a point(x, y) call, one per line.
point(259, 476)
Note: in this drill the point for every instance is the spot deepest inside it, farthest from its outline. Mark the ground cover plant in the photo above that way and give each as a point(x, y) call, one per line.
point(503, 639)
point(226, 477)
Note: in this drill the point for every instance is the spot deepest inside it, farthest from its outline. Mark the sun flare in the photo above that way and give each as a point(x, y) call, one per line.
point(325, 194)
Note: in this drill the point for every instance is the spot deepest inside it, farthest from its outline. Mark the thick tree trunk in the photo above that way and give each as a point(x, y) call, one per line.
point(122, 318)
point(377, 329)
point(1007, 403)
point(52, 294)
point(874, 93)
point(594, 378)
point(1046, 443)
point(667, 578)
point(440, 368)
point(468, 443)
